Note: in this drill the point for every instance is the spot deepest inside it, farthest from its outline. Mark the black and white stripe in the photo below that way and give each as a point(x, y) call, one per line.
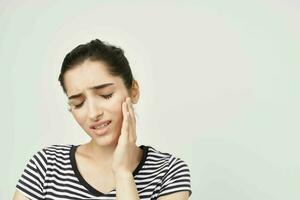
point(52, 174)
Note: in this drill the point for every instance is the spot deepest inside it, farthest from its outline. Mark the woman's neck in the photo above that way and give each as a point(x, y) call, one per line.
point(102, 155)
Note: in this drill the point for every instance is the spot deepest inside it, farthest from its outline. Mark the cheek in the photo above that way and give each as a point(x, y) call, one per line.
point(79, 118)
point(116, 105)
point(116, 109)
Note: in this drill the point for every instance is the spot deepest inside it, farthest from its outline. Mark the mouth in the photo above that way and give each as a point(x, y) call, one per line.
point(101, 129)
point(101, 126)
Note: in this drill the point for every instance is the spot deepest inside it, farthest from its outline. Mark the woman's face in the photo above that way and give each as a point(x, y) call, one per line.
point(88, 103)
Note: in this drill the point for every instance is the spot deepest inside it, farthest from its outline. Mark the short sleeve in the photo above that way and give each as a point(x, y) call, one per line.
point(31, 182)
point(176, 179)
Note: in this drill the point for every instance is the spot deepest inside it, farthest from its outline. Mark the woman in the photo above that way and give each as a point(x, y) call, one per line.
point(97, 79)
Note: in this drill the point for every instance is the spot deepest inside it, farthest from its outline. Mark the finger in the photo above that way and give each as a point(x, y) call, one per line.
point(124, 130)
point(129, 118)
point(131, 121)
point(131, 110)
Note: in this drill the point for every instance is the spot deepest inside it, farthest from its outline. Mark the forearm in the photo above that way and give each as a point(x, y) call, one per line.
point(125, 186)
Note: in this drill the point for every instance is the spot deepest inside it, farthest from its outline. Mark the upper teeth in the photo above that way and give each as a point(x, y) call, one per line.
point(101, 126)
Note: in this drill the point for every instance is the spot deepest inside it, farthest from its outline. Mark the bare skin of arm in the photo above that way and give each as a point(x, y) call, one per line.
point(125, 185)
point(19, 196)
point(184, 195)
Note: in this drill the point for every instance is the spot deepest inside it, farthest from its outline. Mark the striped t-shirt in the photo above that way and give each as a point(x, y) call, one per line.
point(52, 173)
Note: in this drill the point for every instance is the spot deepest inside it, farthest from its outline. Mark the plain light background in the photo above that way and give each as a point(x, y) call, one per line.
point(219, 86)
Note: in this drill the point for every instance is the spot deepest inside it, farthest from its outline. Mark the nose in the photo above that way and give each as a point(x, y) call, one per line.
point(94, 110)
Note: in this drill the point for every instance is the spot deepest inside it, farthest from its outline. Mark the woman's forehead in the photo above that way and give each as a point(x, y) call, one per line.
point(74, 87)
point(97, 87)
point(87, 75)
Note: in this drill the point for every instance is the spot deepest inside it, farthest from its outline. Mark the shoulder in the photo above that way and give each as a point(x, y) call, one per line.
point(169, 159)
point(57, 148)
point(51, 150)
point(176, 176)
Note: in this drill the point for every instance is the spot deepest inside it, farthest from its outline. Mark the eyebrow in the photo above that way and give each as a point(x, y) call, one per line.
point(91, 88)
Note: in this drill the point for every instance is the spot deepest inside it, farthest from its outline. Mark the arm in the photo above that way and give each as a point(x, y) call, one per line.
point(124, 156)
point(30, 184)
point(183, 195)
point(176, 183)
point(19, 196)
point(125, 186)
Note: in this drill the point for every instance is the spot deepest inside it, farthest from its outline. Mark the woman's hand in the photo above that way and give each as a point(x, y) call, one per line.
point(123, 156)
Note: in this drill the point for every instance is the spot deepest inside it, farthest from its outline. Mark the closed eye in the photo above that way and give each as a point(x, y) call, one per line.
point(105, 96)
point(78, 106)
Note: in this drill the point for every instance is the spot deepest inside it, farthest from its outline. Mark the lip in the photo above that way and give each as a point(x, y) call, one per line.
point(98, 124)
point(101, 131)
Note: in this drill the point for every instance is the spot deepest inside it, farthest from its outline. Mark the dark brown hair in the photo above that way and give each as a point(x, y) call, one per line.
point(97, 50)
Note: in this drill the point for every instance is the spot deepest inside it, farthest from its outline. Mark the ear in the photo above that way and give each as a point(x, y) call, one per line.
point(135, 92)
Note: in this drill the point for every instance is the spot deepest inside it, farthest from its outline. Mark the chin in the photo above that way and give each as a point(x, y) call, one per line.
point(106, 140)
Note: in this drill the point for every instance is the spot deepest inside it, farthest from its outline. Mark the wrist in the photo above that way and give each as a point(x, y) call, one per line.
point(121, 174)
